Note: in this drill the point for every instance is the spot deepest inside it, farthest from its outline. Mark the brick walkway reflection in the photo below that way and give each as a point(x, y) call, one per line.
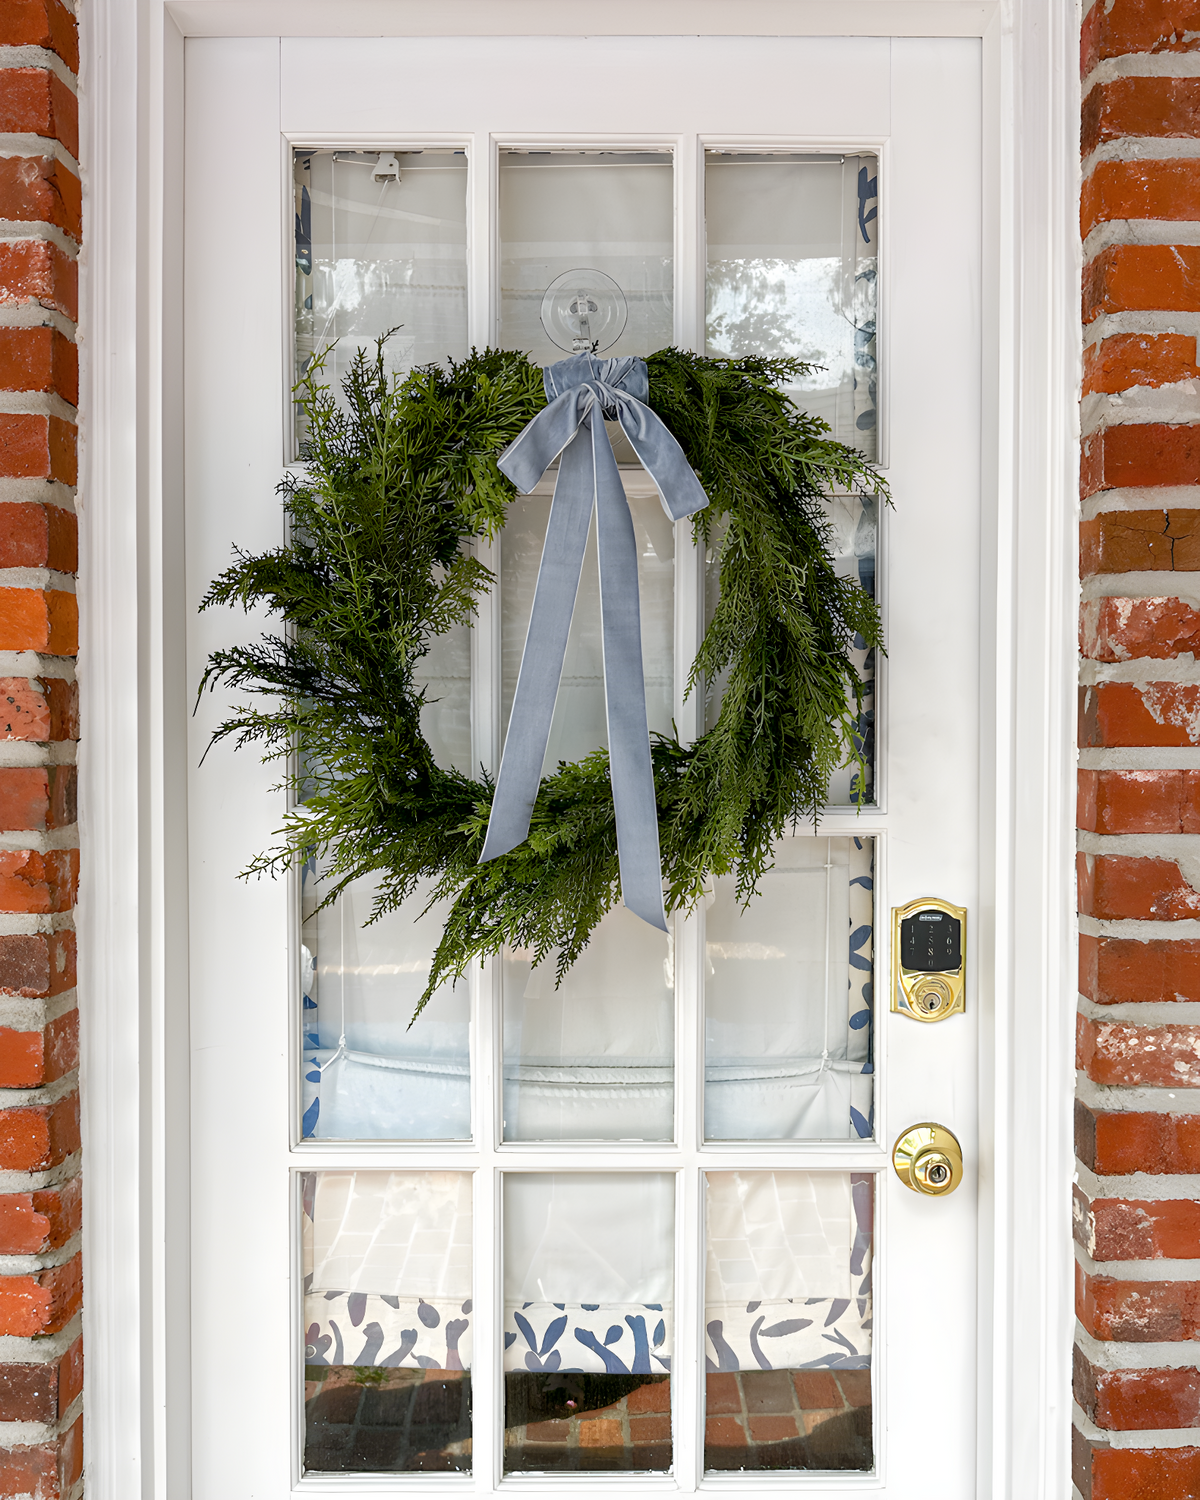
point(419, 1421)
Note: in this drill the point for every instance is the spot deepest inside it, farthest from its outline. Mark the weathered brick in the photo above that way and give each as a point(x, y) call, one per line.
point(32, 1305)
point(41, 189)
point(1118, 629)
point(816, 1390)
point(1109, 30)
point(1139, 801)
point(24, 796)
point(1137, 1400)
point(41, 23)
point(1132, 713)
point(856, 1386)
point(38, 271)
point(34, 1137)
point(39, 620)
point(70, 1376)
point(64, 797)
point(29, 1059)
point(45, 1471)
point(37, 965)
point(37, 797)
point(29, 1393)
point(1116, 1143)
point(1114, 886)
point(1135, 1229)
point(1148, 107)
point(37, 447)
point(38, 536)
point(722, 1393)
point(1134, 359)
point(32, 1223)
point(1137, 1312)
point(1141, 189)
point(1115, 1052)
point(1139, 541)
point(31, 881)
point(1142, 278)
point(35, 101)
point(655, 1429)
point(1116, 971)
point(655, 1397)
point(39, 359)
point(1140, 454)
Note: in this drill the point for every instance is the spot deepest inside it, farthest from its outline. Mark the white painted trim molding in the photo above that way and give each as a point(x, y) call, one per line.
point(133, 906)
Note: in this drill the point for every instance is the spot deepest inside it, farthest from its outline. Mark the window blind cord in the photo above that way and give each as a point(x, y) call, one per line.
point(343, 905)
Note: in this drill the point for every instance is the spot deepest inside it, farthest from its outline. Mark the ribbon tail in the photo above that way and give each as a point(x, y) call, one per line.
point(664, 460)
point(630, 766)
point(542, 659)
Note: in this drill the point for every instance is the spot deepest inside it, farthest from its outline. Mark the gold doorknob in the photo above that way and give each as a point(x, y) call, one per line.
point(928, 1159)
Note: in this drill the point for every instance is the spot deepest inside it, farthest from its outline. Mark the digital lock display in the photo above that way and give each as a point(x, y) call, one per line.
point(929, 940)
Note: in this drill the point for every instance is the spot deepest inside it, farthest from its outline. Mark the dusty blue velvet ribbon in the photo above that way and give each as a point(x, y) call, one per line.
point(581, 392)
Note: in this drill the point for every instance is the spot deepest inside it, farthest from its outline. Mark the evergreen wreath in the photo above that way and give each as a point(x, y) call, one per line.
point(399, 478)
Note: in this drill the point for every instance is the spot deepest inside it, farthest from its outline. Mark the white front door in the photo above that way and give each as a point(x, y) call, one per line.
point(677, 1167)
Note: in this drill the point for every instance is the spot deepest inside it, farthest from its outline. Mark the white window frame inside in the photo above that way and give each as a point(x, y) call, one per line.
point(134, 907)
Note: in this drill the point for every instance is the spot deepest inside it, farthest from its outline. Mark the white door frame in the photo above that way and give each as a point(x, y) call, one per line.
point(133, 904)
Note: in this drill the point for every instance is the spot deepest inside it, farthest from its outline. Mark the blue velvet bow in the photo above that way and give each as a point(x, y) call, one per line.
point(581, 392)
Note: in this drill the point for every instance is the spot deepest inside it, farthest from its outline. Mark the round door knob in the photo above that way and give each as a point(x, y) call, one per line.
point(928, 1159)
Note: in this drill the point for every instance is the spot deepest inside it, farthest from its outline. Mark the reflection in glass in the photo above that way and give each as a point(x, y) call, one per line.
point(792, 248)
point(366, 1074)
point(788, 998)
point(387, 1321)
point(592, 1059)
point(381, 243)
point(588, 1292)
point(579, 723)
point(788, 1320)
point(565, 214)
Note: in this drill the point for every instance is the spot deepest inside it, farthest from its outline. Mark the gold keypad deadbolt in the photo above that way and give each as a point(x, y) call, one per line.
point(928, 1159)
point(929, 950)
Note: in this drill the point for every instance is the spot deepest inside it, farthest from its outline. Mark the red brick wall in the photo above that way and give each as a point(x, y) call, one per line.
point(41, 1355)
point(1137, 1385)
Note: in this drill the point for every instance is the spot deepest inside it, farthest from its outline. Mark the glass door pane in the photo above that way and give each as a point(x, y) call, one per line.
point(792, 247)
point(789, 998)
point(588, 1327)
point(788, 1318)
point(586, 252)
point(592, 1059)
point(369, 1071)
point(381, 244)
point(387, 1321)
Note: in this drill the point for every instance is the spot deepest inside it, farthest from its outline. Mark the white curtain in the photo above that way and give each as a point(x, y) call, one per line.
point(788, 998)
point(387, 1263)
point(788, 1274)
point(589, 1271)
point(388, 1081)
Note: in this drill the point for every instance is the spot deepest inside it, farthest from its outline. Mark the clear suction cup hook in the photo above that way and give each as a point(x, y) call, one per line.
point(584, 311)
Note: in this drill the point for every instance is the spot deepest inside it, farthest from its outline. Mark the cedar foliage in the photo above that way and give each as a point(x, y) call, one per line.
point(398, 480)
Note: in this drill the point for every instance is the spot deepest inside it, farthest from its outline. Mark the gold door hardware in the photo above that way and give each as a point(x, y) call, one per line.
point(928, 1159)
point(929, 951)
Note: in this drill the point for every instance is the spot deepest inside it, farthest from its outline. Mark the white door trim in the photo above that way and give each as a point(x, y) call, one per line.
point(134, 899)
